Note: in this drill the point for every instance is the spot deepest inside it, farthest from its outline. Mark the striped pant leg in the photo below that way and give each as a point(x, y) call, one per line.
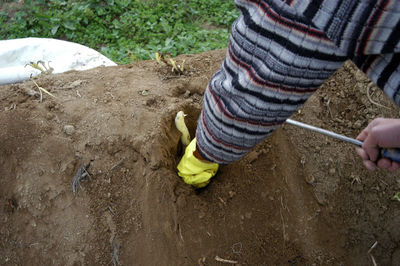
point(274, 62)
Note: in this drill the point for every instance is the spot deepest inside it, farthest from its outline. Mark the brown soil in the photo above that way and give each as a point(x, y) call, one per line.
point(298, 198)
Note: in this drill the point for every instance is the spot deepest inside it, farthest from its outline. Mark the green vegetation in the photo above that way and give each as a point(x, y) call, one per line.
point(124, 30)
point(397, 196)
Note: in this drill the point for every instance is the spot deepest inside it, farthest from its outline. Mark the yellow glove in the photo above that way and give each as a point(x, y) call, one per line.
point(193, 171)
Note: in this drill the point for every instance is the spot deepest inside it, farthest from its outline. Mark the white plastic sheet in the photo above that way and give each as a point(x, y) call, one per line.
point(60, 55)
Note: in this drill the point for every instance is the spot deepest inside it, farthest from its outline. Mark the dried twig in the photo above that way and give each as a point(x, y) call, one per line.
point(201, 261)
point(40, 93)
point(217, 258)
point(285, 207)
point(116, 247)
point(222, 200)
point(371, 256)
point(372, 101)
point(283, 227)
point(180, 233)
point(176, 68)
point(43, 69)
point(110, 210)
point(117, 164)
point(372, 247)
point(329, 108)
point(80, 175)
point(42, 89)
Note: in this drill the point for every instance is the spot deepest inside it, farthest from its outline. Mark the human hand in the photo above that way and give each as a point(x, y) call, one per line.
point(194, 171)
point(380, 133)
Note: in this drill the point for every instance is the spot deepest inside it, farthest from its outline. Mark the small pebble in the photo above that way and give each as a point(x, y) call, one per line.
point(310, 179)
point(75, 84)
point(357, 124)
point(69, 129)
point(49, 116)
point(186, 95)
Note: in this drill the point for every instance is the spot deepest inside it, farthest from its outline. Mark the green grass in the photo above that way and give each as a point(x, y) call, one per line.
point(124, 30)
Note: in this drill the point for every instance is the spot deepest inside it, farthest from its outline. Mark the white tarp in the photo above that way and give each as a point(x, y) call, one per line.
point(60, 55)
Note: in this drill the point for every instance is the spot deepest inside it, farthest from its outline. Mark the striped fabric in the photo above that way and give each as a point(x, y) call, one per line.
point(280, 52)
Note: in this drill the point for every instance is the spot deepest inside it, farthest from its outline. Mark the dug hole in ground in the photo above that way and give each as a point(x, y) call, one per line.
point(298, 198)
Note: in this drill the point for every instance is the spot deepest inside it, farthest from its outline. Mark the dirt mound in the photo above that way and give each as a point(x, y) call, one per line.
point(298, 198)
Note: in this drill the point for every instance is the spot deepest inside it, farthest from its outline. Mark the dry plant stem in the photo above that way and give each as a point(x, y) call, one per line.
point(371, 256)
point(40, 95)
point(217, 258)
point(115, 246)
point(201, 261)
point(372, 101)
point(180, 234)
point(329, 108)
point(177, 69)
point(80, 175)
point(372, 247)
point(117, 164)
point(373, 260)
point(283, 227)
point(42, 89)
point(284, 206)
point(110, 210)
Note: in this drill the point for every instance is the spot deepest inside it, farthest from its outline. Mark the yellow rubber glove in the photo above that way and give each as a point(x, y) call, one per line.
point(193, 171)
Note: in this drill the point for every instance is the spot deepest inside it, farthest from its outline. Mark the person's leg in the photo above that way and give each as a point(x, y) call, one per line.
point(274, 62)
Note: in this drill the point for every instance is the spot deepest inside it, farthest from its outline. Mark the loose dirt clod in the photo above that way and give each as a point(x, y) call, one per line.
point(69, 129)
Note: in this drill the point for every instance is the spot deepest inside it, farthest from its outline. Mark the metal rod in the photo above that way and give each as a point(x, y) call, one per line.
point(325, 132)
